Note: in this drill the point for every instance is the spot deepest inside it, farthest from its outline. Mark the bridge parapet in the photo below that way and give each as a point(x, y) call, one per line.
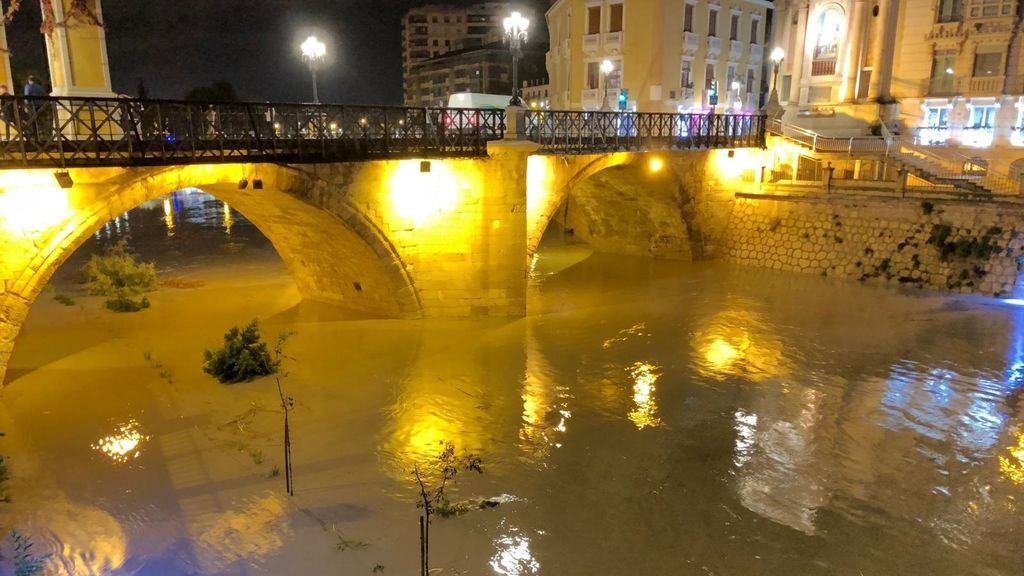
point(55, 132)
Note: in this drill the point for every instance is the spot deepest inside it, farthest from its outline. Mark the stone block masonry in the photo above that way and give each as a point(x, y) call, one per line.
point(949, 245)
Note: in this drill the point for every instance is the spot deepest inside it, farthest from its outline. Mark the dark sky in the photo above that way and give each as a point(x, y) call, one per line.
point(175, 45)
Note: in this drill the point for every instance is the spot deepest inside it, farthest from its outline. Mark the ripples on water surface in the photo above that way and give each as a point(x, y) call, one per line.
point(646, 418)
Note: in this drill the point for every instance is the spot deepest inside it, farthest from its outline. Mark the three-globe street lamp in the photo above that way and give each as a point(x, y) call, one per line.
point(773, 107)
point(313, 52)
point(606, 69)
point(515, 35)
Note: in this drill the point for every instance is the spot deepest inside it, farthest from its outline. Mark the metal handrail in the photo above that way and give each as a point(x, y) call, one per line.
point(74, 132)
point(77, 132)
point(918, 159)
point(571, 132)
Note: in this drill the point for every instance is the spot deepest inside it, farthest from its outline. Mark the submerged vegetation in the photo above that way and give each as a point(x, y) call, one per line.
point(118, 275)
point(433, 482)
point(244, 357)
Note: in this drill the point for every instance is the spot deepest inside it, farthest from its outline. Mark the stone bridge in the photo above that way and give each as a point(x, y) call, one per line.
point(404, 232)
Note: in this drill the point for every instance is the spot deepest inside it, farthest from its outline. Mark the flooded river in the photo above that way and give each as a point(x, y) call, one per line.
point(647, 417)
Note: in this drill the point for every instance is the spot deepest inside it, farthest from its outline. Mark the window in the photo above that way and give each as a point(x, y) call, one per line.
point(936, 117)
point(826, 47)
point(988, 63)
point(594, 20)
point(753, 30)
point(447, 19)
point(688, 18)
point(593, 75)
point(434, 19)
point(943, 79)
point(983, 116)
point(447, 43)
point(435, 42)
point(709, 76)
point(751, 81)
point(734, 27)
point(712, 22)
point(730, 74)
point(615, 18)
point(949, 10)
point(684, 74)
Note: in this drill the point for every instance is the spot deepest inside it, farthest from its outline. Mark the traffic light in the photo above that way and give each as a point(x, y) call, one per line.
point(623, 98)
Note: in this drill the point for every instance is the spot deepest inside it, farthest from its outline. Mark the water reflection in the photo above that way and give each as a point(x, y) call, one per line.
point(645, 412)
point(124, 444)
point(738, 342)
point(545, 405)
point(513, 556)
point(168, 217)
point(1012, 466)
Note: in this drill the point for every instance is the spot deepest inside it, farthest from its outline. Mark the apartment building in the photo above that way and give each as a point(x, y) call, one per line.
point(946, 72)
point(434, 30)
point(658, 55)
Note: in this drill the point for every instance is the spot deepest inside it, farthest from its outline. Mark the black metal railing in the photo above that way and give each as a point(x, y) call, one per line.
point(79, 132)
point(583, 132)
point(70, 132)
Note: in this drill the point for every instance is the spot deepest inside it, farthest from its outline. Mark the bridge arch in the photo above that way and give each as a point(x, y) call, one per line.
point(624, 202)
point(333, 251)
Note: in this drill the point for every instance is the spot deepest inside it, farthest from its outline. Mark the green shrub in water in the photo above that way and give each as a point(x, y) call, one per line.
point(118, 275)
point(244, 356)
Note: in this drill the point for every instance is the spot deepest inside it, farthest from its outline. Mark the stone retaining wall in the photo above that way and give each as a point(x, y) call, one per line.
point(940, 244)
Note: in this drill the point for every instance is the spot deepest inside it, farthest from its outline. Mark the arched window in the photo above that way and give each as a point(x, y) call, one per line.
point(826, 46)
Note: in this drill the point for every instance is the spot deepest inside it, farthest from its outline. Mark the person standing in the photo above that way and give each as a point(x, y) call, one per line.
point(35, 112)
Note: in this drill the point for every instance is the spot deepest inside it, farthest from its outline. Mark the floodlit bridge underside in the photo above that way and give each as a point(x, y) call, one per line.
point(394, 238)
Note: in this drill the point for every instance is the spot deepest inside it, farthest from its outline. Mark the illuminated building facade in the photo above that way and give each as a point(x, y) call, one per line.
point(943, 71)
point(434, 30)
point(668, 55)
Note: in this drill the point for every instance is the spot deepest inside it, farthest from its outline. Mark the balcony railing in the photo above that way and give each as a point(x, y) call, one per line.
point(982, 85)
point(587, 132)
point(823, 68)
point(690, 43)
point(613, 40)
point(591, 43)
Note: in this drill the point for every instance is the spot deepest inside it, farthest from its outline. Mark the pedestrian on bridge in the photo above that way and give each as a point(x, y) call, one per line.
point(37, 118)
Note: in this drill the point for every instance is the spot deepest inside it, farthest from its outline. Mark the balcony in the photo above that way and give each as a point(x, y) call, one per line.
point(823, 68)
point(714, 47)
point(690, 43)
point(591, 43)
point(613, 41)
point(756, 53)
point(982, 85)
point(735, 50)
point(978, 137)
point(931, 135)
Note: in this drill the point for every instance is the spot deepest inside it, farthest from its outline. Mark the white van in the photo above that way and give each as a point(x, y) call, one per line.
point(474, 100)
point(468, 113)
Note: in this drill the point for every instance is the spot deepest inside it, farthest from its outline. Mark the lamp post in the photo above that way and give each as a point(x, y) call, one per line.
point(313, 52)
point(606, 69)
point(515, 35)
point(772, 108)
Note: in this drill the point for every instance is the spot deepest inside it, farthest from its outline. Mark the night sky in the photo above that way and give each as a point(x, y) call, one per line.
point(176, 45)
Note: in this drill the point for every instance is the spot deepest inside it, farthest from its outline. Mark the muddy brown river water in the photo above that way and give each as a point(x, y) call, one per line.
point(647, 417)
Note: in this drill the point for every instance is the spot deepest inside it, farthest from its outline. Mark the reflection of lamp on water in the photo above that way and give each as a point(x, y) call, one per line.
point(645, 413)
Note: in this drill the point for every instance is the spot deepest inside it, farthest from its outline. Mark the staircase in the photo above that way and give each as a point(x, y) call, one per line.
point(951, 169)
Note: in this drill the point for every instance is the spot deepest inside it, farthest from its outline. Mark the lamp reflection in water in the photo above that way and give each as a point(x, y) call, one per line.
point(229, 221)
point(739, 343)
point(513, 556)
point(543, 402)
point(645, 411)
point(1012, 466)
point(124, 444)
point(168, 217)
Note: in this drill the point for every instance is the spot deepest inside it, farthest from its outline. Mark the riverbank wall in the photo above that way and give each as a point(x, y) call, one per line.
point(943, 244)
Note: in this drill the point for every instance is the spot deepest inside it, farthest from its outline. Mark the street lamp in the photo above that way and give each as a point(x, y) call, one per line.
point(313, 52)
point(772, 108)
point(606, 69)
point(515, 36)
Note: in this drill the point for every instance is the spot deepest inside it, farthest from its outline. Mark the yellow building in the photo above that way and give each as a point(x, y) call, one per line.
point(943, 72)
point(667, 55)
